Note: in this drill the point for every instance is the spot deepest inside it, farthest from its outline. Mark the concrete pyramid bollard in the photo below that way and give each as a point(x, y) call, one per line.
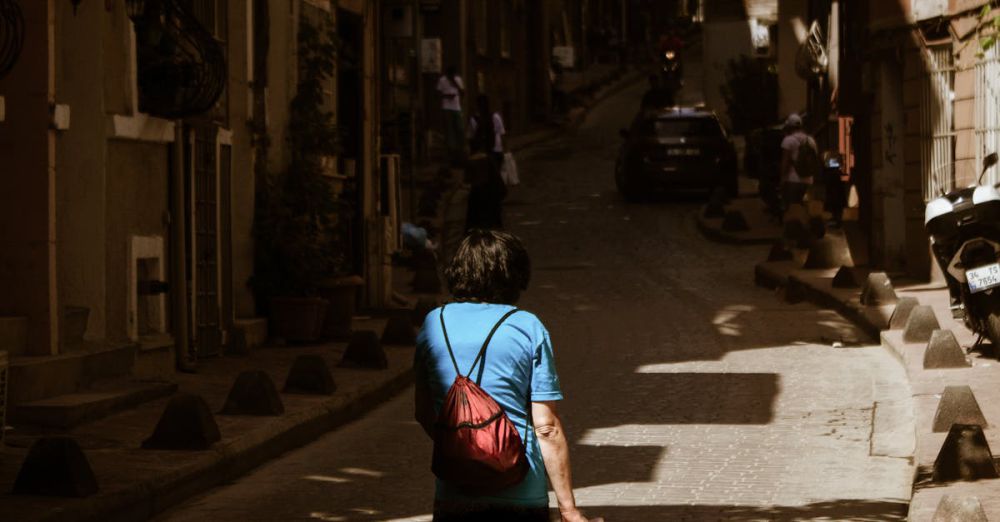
point(734, 221)
point(253, 393)
point(847, 277)
point(943, 351)
point(186, 424)
point(826, 253)
point(900, 314)
point(399, 330)
point(310, 375)
point(878, 290)
point(55, 467)
point(957, 406)
point(920, 325)
point(778, 252)
point(365, 351)
point(424, 306)
point(959, 509)
point(965, 455)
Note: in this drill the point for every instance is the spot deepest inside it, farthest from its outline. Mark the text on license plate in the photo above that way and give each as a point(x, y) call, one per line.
point(983, 278)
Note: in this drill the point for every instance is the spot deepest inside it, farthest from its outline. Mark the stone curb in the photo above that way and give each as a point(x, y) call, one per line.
point(229, 460)
point(770, 275)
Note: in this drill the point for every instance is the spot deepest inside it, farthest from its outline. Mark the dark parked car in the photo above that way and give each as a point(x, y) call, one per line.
point(676, 149)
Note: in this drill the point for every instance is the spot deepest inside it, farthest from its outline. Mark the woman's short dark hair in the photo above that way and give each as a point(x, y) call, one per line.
point(490, 267)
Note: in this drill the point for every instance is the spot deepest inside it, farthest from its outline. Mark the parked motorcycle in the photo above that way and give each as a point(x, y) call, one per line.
point(964, 227)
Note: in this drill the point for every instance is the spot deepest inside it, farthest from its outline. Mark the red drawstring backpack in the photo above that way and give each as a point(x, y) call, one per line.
point(476, 446)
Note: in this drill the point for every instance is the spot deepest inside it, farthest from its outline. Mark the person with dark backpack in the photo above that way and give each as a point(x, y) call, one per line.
point(486, 390)
point(800, 163)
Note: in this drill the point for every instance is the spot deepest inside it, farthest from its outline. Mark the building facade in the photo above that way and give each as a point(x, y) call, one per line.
point(127, 230)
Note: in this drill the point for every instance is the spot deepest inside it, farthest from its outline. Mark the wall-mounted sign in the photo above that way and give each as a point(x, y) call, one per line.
point(430, 55)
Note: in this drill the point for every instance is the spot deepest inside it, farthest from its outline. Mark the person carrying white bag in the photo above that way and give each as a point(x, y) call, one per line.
point(508, 171)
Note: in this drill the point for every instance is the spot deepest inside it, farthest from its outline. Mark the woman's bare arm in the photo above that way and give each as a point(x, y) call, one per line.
point(555, 453)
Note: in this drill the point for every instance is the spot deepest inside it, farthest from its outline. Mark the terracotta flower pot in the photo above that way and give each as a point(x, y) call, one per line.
point(298, 319)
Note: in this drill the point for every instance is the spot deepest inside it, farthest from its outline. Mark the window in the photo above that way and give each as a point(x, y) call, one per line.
point(481, 27)
point(987, 107)
point(937, 146)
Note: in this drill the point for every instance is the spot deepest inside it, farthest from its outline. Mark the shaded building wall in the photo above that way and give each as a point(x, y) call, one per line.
point(81, 154)
point(28, 217)
point(242, 174)
point(137, 199)
point(725, 37)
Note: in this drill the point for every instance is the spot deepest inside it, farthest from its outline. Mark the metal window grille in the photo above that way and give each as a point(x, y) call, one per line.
point(987, 107)
point(937, 130)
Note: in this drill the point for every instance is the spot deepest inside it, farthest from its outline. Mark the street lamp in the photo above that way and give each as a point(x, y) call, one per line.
point(135, 9)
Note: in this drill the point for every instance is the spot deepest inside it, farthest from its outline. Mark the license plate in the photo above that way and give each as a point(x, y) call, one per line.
point(983, 278)
point(683, 152)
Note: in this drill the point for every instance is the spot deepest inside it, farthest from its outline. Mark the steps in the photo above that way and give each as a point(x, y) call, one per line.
point(73, 409)
point(34, 378)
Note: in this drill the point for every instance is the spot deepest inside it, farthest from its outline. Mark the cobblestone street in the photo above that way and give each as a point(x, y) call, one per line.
point(691, 394)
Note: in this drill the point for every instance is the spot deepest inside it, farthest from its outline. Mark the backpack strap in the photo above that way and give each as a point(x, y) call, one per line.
point(482, 351)
point(448, 342)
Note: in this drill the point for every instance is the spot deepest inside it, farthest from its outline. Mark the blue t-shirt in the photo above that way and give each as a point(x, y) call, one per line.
point(519, 368)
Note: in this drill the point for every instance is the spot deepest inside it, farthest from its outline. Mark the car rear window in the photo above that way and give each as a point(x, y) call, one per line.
point(684, 127)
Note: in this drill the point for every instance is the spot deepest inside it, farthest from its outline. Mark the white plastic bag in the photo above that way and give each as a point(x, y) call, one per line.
point(508, 171)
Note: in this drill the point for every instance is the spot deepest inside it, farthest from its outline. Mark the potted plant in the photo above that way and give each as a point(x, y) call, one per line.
point(296, 224)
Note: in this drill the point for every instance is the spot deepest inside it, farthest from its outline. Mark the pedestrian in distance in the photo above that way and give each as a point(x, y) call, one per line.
point(799, 161)
point(486, 131)
point(485, 203)
point(452, 89)
point(486, 392)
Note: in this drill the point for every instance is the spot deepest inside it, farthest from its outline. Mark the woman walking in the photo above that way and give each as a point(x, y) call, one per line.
point(485, 205)
point(486, 277)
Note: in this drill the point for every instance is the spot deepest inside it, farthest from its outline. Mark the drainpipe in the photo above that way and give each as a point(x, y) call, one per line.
point(178, 253)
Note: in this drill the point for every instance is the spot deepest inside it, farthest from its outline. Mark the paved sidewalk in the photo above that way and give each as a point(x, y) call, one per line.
point(926, 385)
point(136, 483)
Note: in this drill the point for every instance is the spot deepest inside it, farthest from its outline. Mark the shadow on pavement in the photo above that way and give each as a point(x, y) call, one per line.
point(854, 510)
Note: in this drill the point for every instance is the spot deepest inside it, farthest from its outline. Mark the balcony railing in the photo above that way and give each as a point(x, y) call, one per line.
point(181, 65)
